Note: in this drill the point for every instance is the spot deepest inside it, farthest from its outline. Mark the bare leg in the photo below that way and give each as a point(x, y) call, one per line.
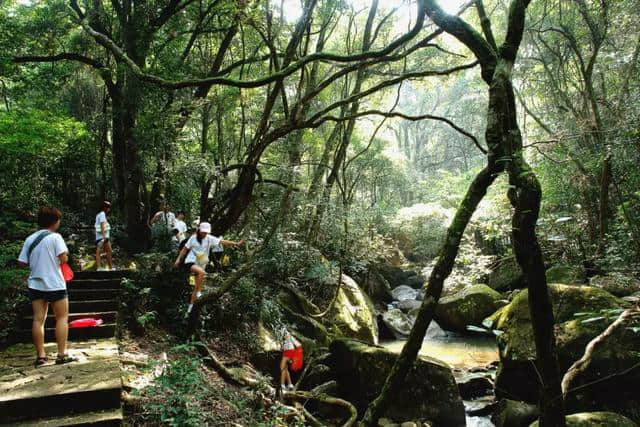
point(61, 310)
point(98, 254)
point(284, 370)
point(199, 272)
point(107, 248)
point(40, 308)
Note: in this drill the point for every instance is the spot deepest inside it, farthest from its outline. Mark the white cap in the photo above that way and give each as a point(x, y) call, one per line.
point(205, 227)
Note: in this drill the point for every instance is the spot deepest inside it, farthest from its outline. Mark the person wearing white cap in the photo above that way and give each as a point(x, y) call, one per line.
point(196, 251)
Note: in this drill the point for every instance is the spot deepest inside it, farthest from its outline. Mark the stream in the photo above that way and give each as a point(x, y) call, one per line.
point(462, 353)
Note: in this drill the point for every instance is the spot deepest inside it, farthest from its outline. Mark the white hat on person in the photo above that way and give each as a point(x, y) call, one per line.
point(205, 227)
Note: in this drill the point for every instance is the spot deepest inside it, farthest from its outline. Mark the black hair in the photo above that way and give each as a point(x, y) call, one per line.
point(47, 216)
point(181, 212)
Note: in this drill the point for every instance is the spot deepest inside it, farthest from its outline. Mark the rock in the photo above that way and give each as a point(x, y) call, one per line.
point(353, 314)
point(386, 422)
point(511, 413)
point(468, 307)
point(506, 275)
point(618, 284)
point(397, 276)
point(428, 392)
point(564, 274)
point(596, 419)
point(473, 386)
point(399, 323)
point(517, 376)
point(408, 424)
point(404, 292)
point(408, 305)
point(377, 287)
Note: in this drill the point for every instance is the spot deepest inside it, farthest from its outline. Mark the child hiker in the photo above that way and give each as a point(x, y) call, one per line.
point(291, 358)
point(196, 251)
point(103, 231)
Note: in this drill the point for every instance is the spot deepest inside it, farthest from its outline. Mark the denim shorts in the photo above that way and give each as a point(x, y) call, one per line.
point(49, 296)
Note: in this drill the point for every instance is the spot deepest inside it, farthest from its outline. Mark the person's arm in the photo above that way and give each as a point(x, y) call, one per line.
point(155, 218)
point(181, 255)
point(103, 229)
point(64, 257)
point(22, 264)
point(232, 243)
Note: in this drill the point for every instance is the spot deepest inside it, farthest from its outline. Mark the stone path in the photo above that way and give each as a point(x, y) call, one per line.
point(82, 393)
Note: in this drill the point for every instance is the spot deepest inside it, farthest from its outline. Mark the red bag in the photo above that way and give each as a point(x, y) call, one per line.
point(297, 359)
point(85, 323)
point(67, 272)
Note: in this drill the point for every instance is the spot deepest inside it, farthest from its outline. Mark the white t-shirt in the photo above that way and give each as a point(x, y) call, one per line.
point(100, 218)
point(44, 262)
point(165, 218)
point(218, 247)
point(199, 251)
point(182, 230)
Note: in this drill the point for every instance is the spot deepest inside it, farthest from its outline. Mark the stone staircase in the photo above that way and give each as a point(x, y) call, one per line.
point(81, 393)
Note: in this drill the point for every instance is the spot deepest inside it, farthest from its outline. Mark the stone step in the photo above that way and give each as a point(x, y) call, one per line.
point(58, 390)
point(94, 284)
point(78, 294)
point(108, 418)
point(107, 330)
point(100, 275)
point(106, 316)
point(92, 305)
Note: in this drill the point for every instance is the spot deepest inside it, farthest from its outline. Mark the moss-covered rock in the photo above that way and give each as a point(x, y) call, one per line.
point(596, 419)
point(618, 284)
point(377, 287)
point(505, 276)
point(565, 274)
point(468, 307)
point(429, 392)
point(353, 315)
point(398, 323)
point(517, 376)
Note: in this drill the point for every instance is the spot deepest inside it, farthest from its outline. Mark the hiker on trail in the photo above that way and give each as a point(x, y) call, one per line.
point(165, 216)
point(103, 233)
point(179, 230)
point(195, 254)
point(291, 358)
point(43, 252)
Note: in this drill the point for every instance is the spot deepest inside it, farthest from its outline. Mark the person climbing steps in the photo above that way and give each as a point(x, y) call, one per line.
point(195, 254)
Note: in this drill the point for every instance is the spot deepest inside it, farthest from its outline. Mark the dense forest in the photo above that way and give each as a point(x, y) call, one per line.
point(439, 200)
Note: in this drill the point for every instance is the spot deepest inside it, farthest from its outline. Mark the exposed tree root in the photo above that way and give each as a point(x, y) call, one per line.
point(581, 365)
point(329, 400)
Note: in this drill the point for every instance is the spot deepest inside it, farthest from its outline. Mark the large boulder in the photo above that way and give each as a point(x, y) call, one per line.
point(620, 285)
point(596, 419)
point(565, 274)
point(404, 292)
point(377, 287)
point(517, 375)
point(397, 276)
point(352, 315)
point(468, 307)
point(512, 413)
point(505, 276)
point(398, 323)
point(429, 391)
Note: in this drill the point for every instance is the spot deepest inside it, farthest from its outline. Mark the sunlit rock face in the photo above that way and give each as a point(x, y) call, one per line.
point(428, 393)
point(517, 377)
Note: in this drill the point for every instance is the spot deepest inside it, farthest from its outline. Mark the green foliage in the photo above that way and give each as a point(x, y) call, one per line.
point(185, 394)
point(13, 295)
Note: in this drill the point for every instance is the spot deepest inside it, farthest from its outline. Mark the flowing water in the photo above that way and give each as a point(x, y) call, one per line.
point(459, 352)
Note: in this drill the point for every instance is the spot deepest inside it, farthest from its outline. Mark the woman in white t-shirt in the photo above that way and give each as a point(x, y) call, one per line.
point(43, 252)
point(103, 234)
point(196, 251)
point(179, 229)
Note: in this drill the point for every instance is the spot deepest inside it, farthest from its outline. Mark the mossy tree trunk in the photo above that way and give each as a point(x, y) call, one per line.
point(504, 143)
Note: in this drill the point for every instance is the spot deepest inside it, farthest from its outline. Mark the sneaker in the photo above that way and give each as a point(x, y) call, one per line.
point(65, 358)
point(101, 269)
point(290, 387)
point(283, 388)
